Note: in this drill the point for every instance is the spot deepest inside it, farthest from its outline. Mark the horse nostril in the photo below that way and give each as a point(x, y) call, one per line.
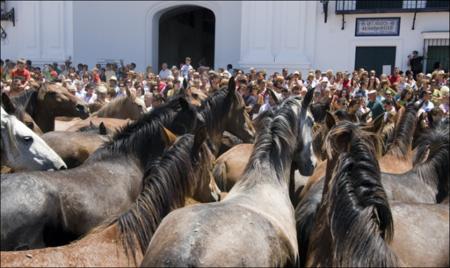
point(62, 167)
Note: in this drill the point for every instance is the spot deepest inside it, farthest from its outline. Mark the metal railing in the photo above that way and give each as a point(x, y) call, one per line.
point(392, 6)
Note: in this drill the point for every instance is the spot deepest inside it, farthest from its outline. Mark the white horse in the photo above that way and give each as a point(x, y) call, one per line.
point(22, 149)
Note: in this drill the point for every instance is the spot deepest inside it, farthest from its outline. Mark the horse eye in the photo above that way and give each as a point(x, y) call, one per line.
point(28, 139)
point(30, 125)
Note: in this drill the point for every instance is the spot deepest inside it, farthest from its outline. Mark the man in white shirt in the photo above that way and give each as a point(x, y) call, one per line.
point(165, 72)
point(186, 67)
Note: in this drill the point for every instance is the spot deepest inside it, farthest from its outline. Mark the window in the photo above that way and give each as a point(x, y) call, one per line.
point(438, 4)
point(378, 5)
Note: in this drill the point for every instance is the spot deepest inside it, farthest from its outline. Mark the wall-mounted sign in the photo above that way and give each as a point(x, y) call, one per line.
point(377, 26)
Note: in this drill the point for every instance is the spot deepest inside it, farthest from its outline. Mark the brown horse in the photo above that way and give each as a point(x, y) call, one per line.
point(20, 113)
point(428, 180)
point(61, 206)
point(224, 110)
point(48, 102)
point(125, 107)
point(75, 147)
point(254, 224)
point(183, 170)
point(354, 224)
point(399, 156)
point(112, 125)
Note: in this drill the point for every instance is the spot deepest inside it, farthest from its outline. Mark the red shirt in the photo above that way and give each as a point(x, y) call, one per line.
point(395, 79)
point(23, 75)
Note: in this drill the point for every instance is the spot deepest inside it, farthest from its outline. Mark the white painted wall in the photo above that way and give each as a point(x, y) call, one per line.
point(263, 34)
point(128, 30)
point(335, 48)
point(43, 31)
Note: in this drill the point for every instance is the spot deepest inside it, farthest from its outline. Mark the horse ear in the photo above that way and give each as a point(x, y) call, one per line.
point(329, 120)
point(376, 126)
point(199, 138)
point(308, 97)
point(102, 129)
point(7, 104)
point(231, 85)
point(167, 135)
point(274, 96)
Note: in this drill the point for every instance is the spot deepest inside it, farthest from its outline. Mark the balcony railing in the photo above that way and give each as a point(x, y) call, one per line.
point(392, 6)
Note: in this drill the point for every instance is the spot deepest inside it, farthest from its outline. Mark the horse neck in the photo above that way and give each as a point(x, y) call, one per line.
point(215, 127)
point(269, 166)
point(44, 117)
point(434, 172)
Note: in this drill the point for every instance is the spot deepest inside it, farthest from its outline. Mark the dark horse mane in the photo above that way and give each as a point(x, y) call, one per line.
point(217, 105)
point(138, 137)
point(358, 212)
point(434, 144)
point(402, 140)
point(166, 183)
point(275, 141)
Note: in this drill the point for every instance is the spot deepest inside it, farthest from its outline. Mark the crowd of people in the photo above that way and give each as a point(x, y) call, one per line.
point(369, 92)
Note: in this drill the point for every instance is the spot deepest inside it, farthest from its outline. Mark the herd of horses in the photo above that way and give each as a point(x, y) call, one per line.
point(195, 182)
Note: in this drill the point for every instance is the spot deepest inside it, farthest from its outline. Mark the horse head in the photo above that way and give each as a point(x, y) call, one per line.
point(238, 122)
point(305, 159)
point(61, 102)
point(20, 114)
point(22, 149)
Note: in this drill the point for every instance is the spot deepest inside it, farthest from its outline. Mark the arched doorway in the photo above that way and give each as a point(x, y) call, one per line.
point(187, 31)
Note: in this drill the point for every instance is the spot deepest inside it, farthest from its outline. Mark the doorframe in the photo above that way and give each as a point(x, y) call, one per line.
point(152, 27)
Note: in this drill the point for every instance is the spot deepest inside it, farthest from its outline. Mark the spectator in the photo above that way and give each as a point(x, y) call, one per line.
point(390, 111)
point(374, 105)
point(90, 96)
point(165, 72)
point(415, 62)
point(427, 104)
point(395, 77)
point(22, 74)
point(186, 67)
point(444, 100)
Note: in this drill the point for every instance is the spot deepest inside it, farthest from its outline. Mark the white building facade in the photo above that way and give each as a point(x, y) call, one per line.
point(261, 34)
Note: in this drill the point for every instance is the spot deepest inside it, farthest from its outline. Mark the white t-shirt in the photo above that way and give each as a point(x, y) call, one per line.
point(163, 74)
point(185, 70)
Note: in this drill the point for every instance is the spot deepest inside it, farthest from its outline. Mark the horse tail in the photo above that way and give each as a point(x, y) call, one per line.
point(220, 176)
point(360, 217)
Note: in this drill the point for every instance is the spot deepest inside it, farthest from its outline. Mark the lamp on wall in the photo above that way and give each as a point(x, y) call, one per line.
point(325, 9)
point(6, 16)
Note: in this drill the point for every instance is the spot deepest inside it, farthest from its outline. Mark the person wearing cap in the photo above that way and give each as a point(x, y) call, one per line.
point(113, 84)
point(72, 89)
point(444, 100)
point(373, 104)
point(21, 73)
point(102, 93)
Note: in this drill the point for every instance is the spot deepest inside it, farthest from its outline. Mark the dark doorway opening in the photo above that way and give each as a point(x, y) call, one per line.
point(374, 58)
point(187, 31)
